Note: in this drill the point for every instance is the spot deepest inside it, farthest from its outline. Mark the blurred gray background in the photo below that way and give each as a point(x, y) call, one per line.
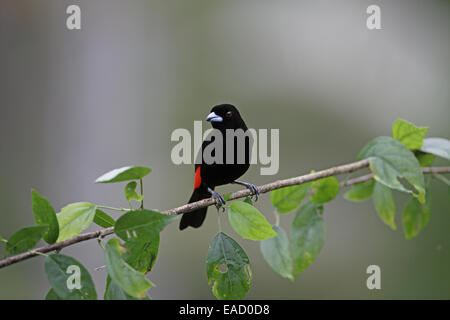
point(75, 104)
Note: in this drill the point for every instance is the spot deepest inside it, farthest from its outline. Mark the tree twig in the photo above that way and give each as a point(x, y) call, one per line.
point(346, 168)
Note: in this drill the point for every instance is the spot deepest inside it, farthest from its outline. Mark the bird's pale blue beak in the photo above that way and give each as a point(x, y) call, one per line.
point(212, 117)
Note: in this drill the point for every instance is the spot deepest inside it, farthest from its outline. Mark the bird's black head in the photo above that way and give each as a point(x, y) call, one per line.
point(226, 116)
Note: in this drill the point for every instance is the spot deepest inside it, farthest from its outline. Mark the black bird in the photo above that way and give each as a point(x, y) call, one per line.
point(209, 176)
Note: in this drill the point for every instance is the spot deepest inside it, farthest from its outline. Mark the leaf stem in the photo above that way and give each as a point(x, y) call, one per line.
point(112, 208)
point(428, 180)
point(348, 177)
point(277, 218)
point(218, 221)
point(441, 178)
point(40, 253)
point(142, 193)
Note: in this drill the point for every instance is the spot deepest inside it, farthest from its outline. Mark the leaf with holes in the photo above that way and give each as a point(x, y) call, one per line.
point(44, 214)
point(102, 219)
point(360, 191)
point(133, 282)
point(75, 218)
point(141, 254)
point(228, 268)
point(325, 190)
point(124, 174)
point(384, 204)
point(69, 279)
point(25, 239)
point(408, 134)
point(437, 146)
point(289, 198)
point(415, 217)
point(394, 166)
point(276, 252)
point(307, 235)
point(248, 222)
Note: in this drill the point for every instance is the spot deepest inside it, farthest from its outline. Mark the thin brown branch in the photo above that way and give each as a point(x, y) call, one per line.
point(56, 246)
point(346, 168)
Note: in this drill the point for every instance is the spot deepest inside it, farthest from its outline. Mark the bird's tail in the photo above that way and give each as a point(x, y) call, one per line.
point(195, 218)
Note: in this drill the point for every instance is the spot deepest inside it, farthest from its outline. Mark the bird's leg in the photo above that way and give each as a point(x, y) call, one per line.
point(220, 202)
point(253, 189)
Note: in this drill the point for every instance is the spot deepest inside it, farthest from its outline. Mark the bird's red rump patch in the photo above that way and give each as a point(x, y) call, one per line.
point(198, 178)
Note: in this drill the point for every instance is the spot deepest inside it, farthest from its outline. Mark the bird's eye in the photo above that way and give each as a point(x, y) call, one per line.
point(229, 114)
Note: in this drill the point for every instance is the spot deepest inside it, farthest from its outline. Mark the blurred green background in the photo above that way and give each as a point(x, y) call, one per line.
point(76, 104)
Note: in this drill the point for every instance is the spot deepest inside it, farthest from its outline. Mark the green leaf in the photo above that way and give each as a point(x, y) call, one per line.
point(425, 159)
point(124, 174)
point(131, 281)
point(65, 274)
point(437, 146)
point(390, 161)
point(51, 295)
point(415, 217)
point(130, 192)
point(408, 134)
point(103, 219)
point(276, 252)
point(142, 224)
point(45, 215)
point(360, 191)
point(114, 292)
point(289, 198)
point(307, 235)
point(326, 189)
point(228, 268)
point(384, 204)
point(140, 231)
point(141, 254)
point(74, 218)
point(25, 239)
point(248, 222)
point(2, 239)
